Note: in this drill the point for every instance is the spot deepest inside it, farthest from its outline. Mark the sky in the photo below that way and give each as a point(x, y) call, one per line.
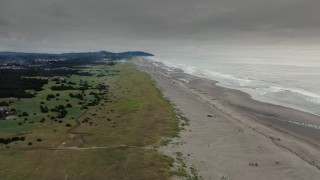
point(164, 27)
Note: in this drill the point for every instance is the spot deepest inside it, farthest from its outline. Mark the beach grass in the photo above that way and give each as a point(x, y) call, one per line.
point(113, 163)
point(122, 129)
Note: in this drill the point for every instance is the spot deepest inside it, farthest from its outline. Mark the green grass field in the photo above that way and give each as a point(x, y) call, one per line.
point(116, 139)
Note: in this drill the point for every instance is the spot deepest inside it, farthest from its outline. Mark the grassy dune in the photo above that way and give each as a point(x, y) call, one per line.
point(113, 163)
point(121, 132)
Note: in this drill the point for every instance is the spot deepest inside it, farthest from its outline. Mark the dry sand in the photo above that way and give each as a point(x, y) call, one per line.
point(240, 132)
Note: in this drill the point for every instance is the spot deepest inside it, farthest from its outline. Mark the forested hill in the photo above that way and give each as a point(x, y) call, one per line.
point(82, 55)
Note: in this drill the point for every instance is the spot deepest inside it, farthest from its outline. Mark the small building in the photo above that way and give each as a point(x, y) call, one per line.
point(59, 78)
point(3, 111)
point(11, 117)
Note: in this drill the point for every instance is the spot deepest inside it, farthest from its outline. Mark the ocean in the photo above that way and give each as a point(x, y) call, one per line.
point(288, 81)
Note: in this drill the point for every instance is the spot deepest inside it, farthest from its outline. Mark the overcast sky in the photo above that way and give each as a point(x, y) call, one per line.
point(160, 26)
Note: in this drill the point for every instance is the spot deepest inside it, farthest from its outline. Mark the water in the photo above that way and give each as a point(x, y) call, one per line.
point(288, 81)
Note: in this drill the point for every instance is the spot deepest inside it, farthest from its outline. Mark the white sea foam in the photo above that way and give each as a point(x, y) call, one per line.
point(305, 125)
point(184, 80)
point(275, 82)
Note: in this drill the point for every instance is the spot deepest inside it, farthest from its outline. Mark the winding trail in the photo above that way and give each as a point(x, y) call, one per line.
point(78, 123)
point(72, 131)
point(80, 134)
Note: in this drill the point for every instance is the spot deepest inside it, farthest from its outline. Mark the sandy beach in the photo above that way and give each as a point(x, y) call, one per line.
point(231, 136)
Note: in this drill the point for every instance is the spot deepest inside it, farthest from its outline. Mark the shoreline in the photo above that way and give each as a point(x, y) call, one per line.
point(244, 129)
point(252, 95)
point(278, 116)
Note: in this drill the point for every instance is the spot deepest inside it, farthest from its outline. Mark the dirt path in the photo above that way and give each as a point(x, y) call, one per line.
point(80, 135)
point(72, 131)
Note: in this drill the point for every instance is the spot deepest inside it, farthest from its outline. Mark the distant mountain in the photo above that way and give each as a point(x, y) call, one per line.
point(92, 55)
point(134, 53)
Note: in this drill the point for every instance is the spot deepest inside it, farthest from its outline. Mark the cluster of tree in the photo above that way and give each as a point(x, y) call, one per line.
point(75, 58)
point(58, 80)
point(102, 87)
point(62, 88)
point(50, 96)
point(71, 83)
point(13, 85)
point(84, 85)
point(24, 114)
point(44, 109)
point(4, 104)
point(15, 93)
point(61, 110)
point(40, 71)
point(42, 120)
point(97, 99)
point(77, 96)
point(86, 120)
point(10, 140)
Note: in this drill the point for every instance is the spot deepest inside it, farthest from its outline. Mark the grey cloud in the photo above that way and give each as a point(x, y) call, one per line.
point(4, 22)
point(129, 24)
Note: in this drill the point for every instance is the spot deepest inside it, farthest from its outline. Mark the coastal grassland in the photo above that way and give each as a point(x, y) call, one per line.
point(137, 114)
point(47, 125)
point(113, 163)
point(116, 138)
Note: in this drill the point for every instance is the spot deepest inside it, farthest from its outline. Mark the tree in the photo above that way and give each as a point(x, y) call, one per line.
point(25, 114)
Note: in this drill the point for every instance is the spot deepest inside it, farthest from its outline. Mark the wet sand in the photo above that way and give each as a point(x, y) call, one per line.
point(235, 137)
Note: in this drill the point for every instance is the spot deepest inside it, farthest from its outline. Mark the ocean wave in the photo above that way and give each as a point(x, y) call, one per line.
point(310, 96)
point(203, 73)
point(259, 87)
point(305, 124)
point(242, 81)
